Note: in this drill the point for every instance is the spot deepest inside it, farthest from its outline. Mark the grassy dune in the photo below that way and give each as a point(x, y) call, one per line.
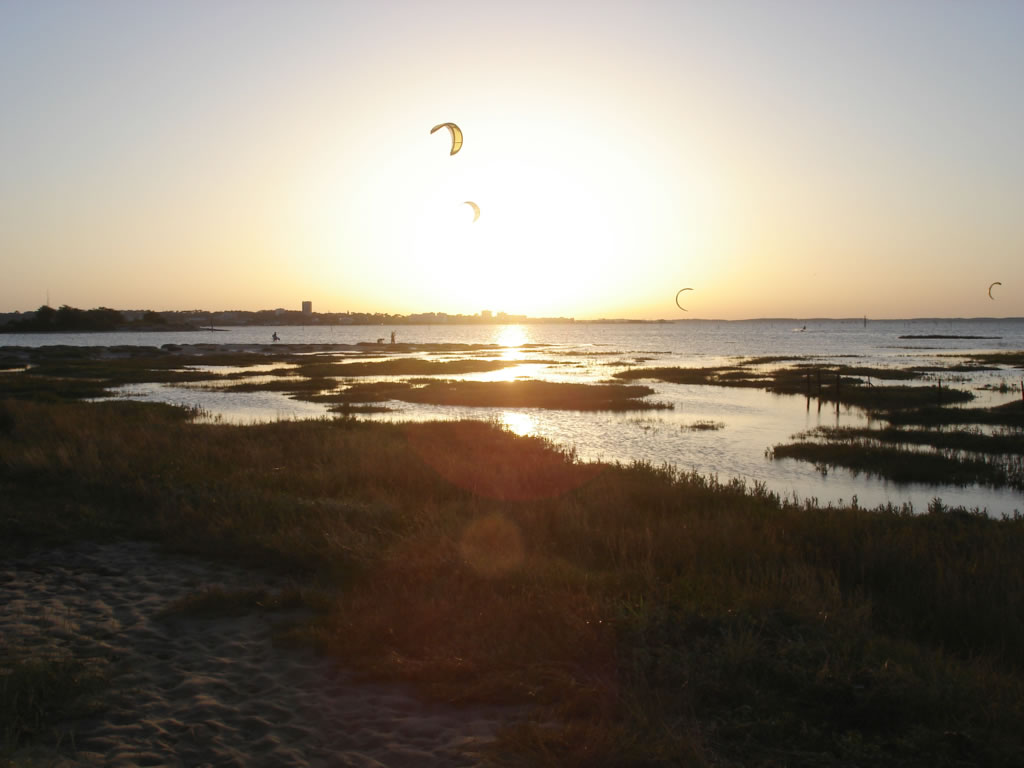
point(655, 617)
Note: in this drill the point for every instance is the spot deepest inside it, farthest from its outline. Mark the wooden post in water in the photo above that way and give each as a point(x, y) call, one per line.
point(939, 393)
point(837, 394)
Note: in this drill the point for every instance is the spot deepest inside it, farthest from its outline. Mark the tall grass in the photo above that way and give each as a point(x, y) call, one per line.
point(36, 693)
point(660, 617)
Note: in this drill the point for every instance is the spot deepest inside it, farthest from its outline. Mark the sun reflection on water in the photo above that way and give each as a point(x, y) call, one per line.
point(512, 338)
point(520, 423)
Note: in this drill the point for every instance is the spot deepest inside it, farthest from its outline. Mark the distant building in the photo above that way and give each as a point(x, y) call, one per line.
point(307, 307)
point(485, 314)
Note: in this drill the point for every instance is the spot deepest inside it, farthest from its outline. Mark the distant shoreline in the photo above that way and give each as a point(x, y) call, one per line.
point(397, 321)
point(125, 329)
point(945, 336)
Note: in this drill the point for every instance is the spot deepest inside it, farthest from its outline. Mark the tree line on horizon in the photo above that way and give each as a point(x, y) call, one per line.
point(67, 318)
point(71, 319)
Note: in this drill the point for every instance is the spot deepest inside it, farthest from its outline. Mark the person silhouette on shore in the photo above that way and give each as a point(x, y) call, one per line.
point(392, 337)
point(275, 337)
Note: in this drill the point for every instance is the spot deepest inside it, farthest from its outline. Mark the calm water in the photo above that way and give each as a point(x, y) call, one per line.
point(748, 421)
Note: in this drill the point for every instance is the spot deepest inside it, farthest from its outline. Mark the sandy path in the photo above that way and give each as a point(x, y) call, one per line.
point(211, 692)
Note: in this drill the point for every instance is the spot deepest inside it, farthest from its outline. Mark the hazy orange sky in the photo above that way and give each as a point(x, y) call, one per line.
point(781, 158)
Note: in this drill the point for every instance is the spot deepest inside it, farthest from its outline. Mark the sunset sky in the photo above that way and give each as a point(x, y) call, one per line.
point(781, 158)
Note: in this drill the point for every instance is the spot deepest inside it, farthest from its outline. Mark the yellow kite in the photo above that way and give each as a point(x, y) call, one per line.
point(456, 133)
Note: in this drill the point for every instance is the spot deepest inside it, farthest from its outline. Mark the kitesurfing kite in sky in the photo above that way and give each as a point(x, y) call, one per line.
point(990, 290)
point(456, 133)
point(476, 209)
point(677, 298)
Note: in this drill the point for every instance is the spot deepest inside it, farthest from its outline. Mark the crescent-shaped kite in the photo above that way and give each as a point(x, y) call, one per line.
point(475, 207)
point(677, 299)
point(456, 133)
point(990, 290)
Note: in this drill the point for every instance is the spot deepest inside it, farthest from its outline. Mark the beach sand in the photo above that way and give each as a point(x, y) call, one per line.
point(199, 691)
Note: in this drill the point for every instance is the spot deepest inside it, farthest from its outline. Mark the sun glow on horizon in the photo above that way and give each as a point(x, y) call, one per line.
point(541, 241)
point(558, 233)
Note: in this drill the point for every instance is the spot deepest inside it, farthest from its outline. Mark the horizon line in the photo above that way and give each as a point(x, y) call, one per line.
point(514, 318)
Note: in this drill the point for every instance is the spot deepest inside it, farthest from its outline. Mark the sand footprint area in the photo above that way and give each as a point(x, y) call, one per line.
point(196, 691)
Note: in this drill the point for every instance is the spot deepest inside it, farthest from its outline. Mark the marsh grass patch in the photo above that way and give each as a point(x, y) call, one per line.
point(37, 693)
point(1007, 415)
point(703, 425)
point(1003, 387)
point(1002, 359)
point(28, 385)
point(354, 409)
point(410, 366)
point(907, 466)
point(969, 439)
point(838, 383)
point(290, 384)
point(530, 393)
point(520, 393)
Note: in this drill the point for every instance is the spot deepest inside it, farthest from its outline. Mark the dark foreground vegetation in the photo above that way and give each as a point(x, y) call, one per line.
point(647, 617)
